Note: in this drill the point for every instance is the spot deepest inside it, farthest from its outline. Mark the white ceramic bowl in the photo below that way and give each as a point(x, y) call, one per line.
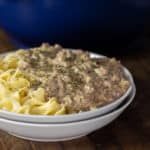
point(62, 131)
point(70, 117)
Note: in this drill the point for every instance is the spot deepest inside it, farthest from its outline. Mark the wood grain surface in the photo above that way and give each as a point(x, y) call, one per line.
point(131, 131)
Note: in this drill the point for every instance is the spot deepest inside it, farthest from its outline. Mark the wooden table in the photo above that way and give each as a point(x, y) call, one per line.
point(131, 131)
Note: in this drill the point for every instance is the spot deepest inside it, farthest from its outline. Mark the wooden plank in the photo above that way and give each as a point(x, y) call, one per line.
point(5, 42)
point(45, 145)
point(2, 145)
point(104, 139)
point(7, 141)
point(83, 143)
point(10, 142)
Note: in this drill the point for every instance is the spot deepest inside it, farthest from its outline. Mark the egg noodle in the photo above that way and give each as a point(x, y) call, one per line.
point(16, 94)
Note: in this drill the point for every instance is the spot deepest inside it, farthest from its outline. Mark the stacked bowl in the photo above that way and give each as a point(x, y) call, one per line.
point(66, 127)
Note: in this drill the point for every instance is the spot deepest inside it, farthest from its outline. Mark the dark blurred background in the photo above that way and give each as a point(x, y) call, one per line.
point(103, 26)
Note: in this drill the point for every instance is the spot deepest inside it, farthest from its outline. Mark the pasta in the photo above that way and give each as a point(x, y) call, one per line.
point(16, 94)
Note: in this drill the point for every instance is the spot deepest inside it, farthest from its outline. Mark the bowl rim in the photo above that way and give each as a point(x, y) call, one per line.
point(57, 117)
point(112, 113)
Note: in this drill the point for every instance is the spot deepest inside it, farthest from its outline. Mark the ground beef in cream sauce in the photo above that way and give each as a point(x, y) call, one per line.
point(76, 80)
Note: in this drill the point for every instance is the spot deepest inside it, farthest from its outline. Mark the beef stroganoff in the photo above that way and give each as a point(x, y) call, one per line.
point(50, 80)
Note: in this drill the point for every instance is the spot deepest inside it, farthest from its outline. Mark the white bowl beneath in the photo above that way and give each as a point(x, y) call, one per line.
point(70, 117)
point(62, 131)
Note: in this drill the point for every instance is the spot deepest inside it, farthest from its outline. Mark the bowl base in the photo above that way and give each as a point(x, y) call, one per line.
point(47, 139)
